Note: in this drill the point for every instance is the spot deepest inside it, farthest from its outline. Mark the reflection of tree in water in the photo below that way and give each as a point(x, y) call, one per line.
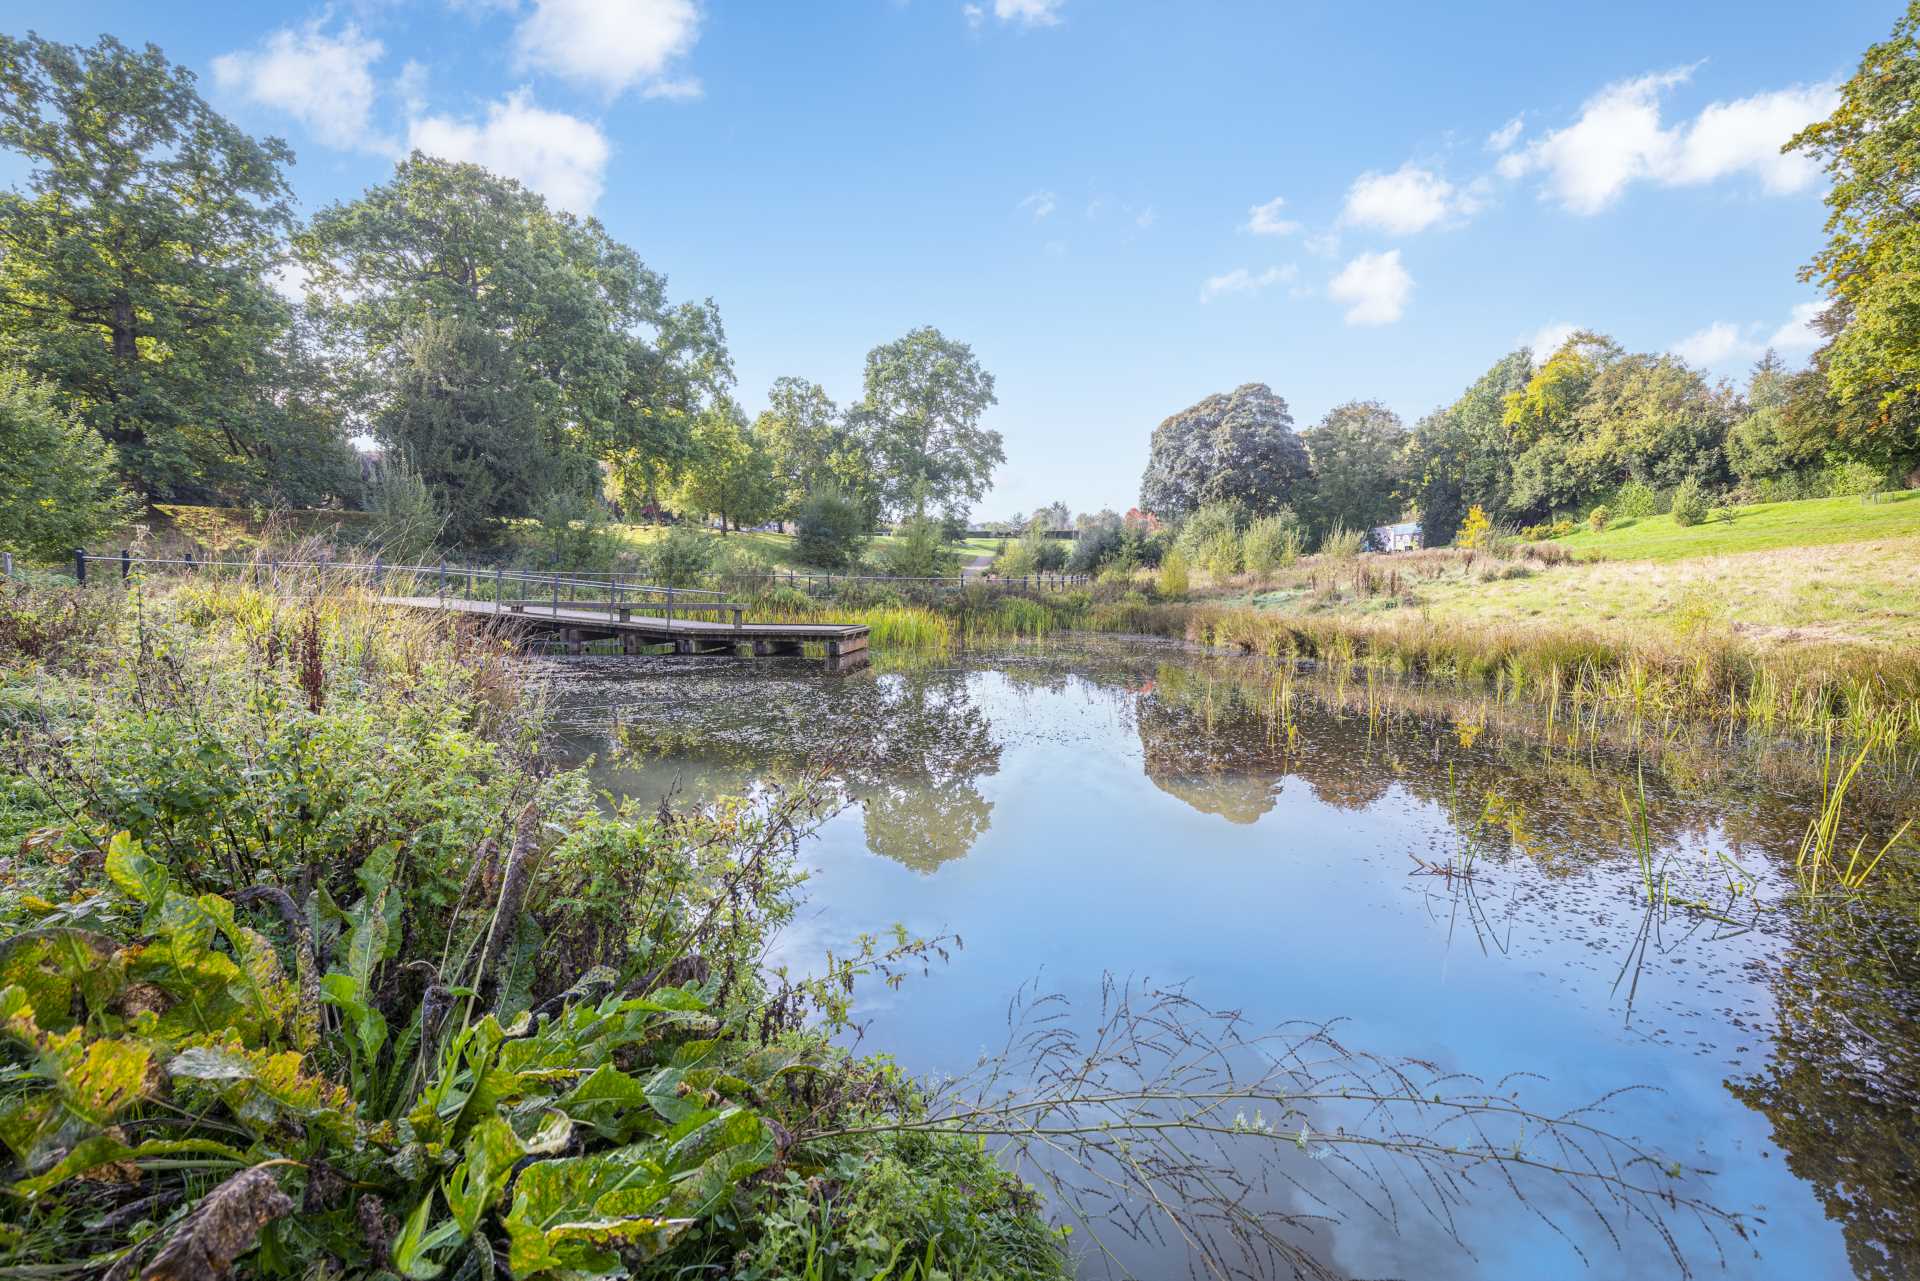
point(927, 745)
point(909, 748)
point(1843, 1088)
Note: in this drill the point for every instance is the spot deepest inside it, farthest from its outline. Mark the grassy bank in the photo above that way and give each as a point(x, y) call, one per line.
point(1814, 522)
point(1800, 642)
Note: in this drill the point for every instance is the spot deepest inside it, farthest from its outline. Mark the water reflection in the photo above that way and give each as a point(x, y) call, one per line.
point(1461, 888)
point(1842, 1085)
point(910, 749)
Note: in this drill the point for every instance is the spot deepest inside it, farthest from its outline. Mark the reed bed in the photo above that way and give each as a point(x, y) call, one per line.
point(1860, 693)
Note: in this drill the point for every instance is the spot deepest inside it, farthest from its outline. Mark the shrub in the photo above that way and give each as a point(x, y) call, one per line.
point(1855, 480)
point(683, 558)
point(1207, 526)
point(1049, 554)
point(406, 521)
point(1599, 518)
point(1561, 528)
point(1689, 503)
point(1341, 543)
point(1475, 530)
point(1093, 547)
point(1635, 501)
point(1271, 542)
point(57, 488)
point(918, 550)
point(830, 531)
point(1173, 574)
point(1220, 554)
point(574, 533)
point(1015, 559)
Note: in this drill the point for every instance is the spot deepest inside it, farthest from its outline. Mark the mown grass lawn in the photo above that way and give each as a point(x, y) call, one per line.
point(1815, 522)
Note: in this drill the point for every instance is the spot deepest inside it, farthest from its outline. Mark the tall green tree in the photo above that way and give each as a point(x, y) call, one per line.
point(1357, 452)
point(1870, 267)
point(57, 487)
point(1462, 456)
point(813, 449)
point(456, 411)
point(1233, 447)
point(132, 266)
point(924, 396)
point(730, 473)
point(573, 331)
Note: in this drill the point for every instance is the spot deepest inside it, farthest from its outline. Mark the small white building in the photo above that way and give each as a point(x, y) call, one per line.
point(1404, 537)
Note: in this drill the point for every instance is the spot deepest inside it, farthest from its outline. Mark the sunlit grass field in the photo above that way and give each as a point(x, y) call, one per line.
point(1813, 522)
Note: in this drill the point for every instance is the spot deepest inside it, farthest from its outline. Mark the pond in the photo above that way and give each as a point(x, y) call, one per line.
point(1277, 845)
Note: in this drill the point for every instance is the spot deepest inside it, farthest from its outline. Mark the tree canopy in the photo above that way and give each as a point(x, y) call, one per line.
point(1235, 447)
point(133, 270)
point(924, 395)
point(1357, 454)
point(1870, 267)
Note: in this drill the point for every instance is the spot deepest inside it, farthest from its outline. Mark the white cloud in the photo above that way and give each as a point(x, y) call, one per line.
point(1710, 346)
point(1503, 138)
point(611, 45)
point(323, 81)
point(1406, 201)
point(1620, 139)
point(975, 15)
point(1242, 281)
point(1325, 244)
point(1041, 204)
point(1745, 136)
point(411, 87)
point(1375, 288)
point(1724, 343)
point(1547, 339)
point(1799, 334)
point(1029, 13)
point(1265, 220)
point(1145, 218)
point(562, 157)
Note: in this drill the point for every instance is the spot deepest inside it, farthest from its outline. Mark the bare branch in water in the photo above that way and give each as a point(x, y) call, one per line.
point(1169, 1124)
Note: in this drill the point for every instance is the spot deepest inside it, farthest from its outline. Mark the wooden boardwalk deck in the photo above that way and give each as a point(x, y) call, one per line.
point(578, 623)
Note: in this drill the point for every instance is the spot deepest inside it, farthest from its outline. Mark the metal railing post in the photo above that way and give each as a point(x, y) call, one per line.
point(80, 565)
point(443, 580)
point(126, 564)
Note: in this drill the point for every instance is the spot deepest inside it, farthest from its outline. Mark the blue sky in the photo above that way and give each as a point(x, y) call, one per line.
point(1085, 189)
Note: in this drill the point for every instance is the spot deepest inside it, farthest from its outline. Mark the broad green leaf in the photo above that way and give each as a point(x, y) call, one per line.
point(578, 1213)
point(478, 1181)
point(51, 965)
point(138, 876)
point(615, 1105)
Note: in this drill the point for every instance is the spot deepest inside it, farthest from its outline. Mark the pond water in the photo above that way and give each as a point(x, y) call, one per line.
point(1134, 808)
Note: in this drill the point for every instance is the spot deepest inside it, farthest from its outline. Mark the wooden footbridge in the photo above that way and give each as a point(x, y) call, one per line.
point(640, 626)
point(572, 610)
